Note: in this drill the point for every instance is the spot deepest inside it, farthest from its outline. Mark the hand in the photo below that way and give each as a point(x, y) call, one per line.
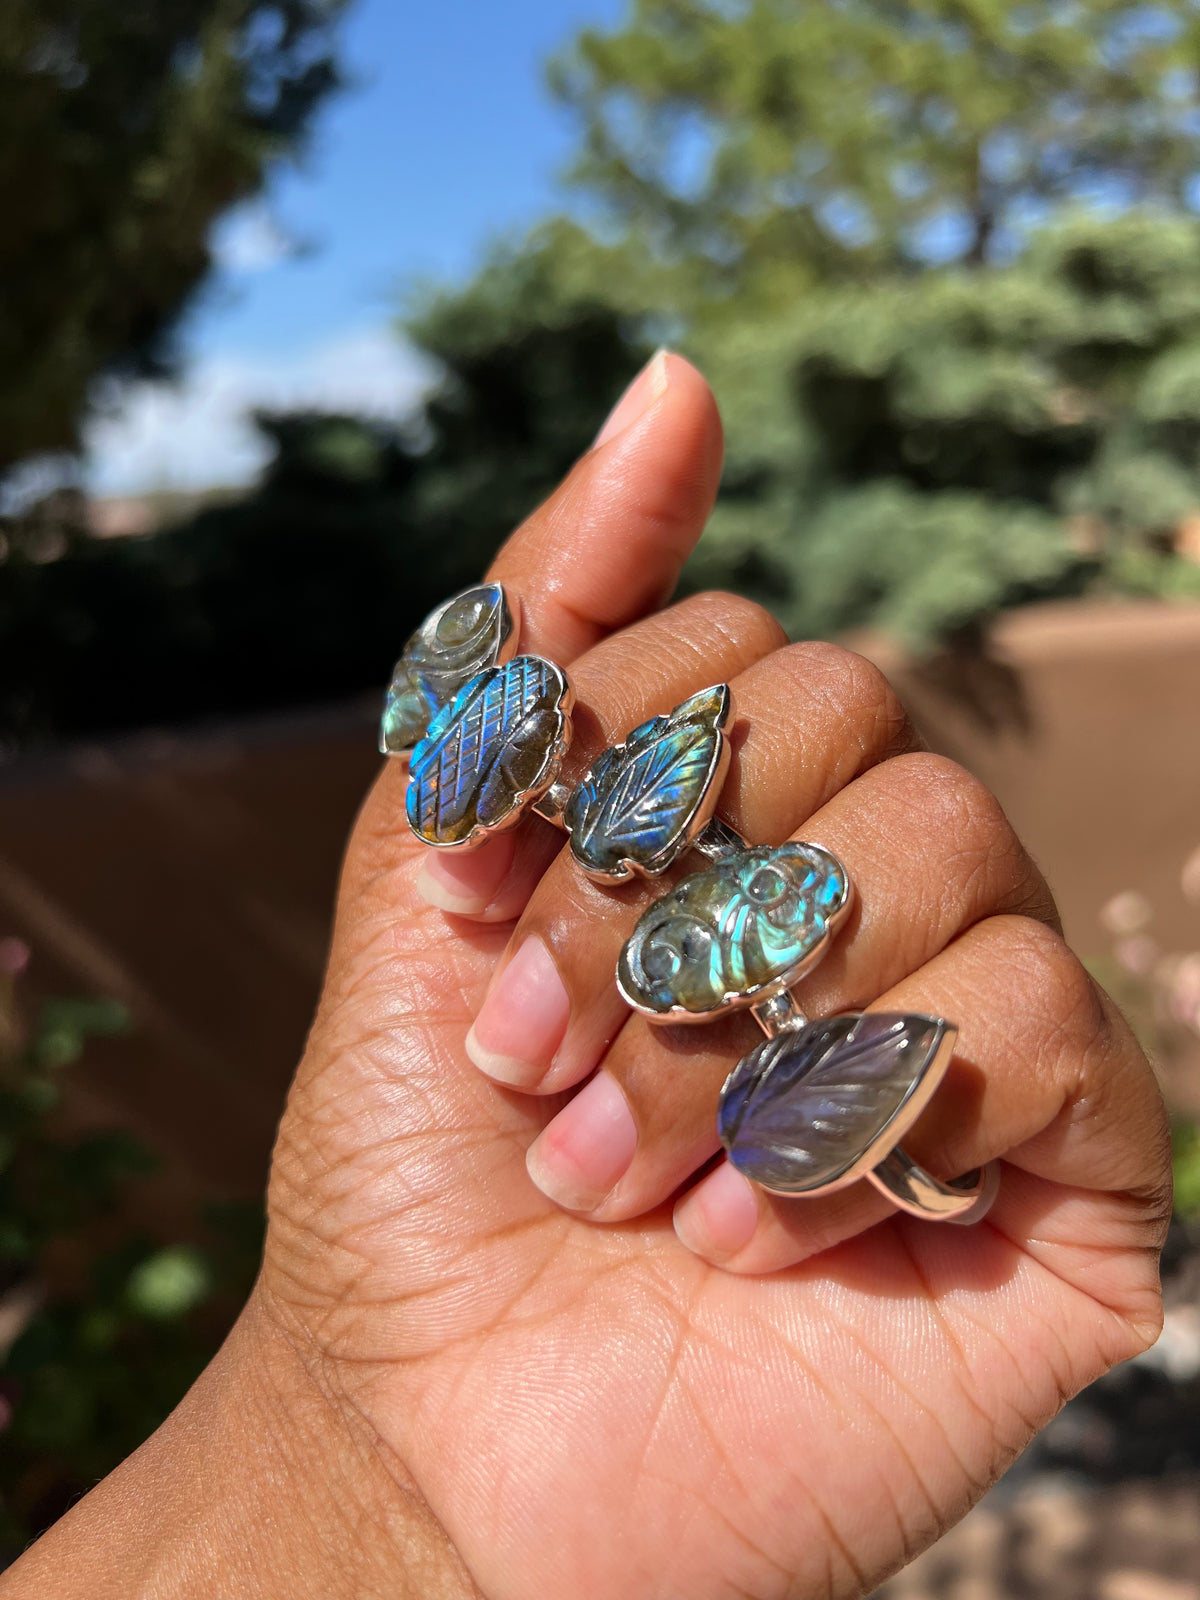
point(466, 1387)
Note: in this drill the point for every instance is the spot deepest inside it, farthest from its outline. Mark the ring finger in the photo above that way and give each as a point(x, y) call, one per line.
point(930, 854)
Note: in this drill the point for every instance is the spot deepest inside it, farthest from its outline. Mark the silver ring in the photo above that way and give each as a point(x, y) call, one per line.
point(820, 1104)
point(649, 799)
point(485, 730)
point(816, 1106)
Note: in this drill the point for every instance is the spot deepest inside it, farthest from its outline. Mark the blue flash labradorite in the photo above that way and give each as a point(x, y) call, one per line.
point(805, 1108)
point(462, 637)
point(644, 799)
point(496, 745)
point(735, 933)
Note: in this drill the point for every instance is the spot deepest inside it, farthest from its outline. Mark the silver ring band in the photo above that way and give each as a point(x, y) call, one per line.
point(965, 1200)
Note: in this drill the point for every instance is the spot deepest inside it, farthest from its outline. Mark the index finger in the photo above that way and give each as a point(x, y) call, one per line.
point(603, 551)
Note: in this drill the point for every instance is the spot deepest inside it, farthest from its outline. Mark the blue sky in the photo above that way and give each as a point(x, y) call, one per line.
point(445, 139)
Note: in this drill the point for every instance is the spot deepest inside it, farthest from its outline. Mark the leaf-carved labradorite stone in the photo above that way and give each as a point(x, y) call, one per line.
point(734, 934)
point(818, 1106)
point(469, 632)
point(496, 746)
point(643, 800)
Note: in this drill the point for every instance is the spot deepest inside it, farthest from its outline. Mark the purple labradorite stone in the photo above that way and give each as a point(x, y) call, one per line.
point(801, 1109)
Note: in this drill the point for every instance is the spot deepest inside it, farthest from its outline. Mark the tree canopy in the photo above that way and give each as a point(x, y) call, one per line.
point(937, 257)
point(749, 142)
point(306, 589)
point(919, 453)
point(125, 130)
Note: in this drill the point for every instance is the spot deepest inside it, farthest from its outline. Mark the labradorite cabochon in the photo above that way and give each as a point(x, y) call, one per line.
point(642, 800)
point(742, 929)
point(498, 744)
point(802, 1111)
point(466, 634)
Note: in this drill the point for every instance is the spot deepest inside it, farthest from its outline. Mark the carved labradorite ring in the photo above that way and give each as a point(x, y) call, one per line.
point(495, 749)
point(647, 800)
point(472, 630)
point(487, 729)
point(818, 1105)
point(736, 934)
point(487, 732)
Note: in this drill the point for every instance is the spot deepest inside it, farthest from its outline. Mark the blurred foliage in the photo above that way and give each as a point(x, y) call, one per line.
point(102, 1327)
point(307, 589)
point(1185, 1160)
point(937, 259)
point(918, 453)
point(125, 131)
point(751, 146)
point(1158, 991)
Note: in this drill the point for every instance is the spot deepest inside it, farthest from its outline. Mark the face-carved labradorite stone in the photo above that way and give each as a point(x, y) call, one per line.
point(471, 631)
point(498, 744)
point(735, 933)
point(644, 800)
point(818, 1106)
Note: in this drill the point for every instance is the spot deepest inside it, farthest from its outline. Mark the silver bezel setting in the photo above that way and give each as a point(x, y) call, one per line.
point(447, 679)
point(890, 1135)
point(522, 798)
point(737, 999)
point(698, 821)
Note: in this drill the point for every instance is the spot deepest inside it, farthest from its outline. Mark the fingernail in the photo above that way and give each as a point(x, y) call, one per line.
point(579, 1157)
point(650, 383)
point(718, 1217)
point(465, 884)
point(522, 1022)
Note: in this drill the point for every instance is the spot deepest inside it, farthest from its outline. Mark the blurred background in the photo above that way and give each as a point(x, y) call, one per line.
point(304, 303)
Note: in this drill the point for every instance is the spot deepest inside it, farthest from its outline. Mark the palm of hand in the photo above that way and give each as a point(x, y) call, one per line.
point(593, 1412)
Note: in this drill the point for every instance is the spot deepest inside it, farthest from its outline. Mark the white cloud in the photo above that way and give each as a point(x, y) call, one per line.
point(196, 433)
point(250, 239)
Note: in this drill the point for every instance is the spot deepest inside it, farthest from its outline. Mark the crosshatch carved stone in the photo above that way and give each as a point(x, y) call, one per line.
point(498, 744)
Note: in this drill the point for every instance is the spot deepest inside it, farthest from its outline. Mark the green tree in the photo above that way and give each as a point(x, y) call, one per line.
point(752, 143)
point(306, 589)
point(913, 443)
point(918, 453)
point(125, 130)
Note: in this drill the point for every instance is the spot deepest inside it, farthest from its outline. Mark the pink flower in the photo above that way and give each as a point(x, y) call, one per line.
point(14, 956)
point(1126, 913)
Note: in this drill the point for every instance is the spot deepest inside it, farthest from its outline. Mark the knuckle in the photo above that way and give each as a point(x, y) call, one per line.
point(744, 622)
point(954, 802)
point(950, 795)
point(1061, 1023)
point(852, 687)
point(1053, 983)
point(987, 864)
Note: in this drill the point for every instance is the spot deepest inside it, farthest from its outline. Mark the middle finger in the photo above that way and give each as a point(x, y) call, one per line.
point(572, 930)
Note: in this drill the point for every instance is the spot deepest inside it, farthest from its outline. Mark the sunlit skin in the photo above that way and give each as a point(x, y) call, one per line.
point(444, 1384)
